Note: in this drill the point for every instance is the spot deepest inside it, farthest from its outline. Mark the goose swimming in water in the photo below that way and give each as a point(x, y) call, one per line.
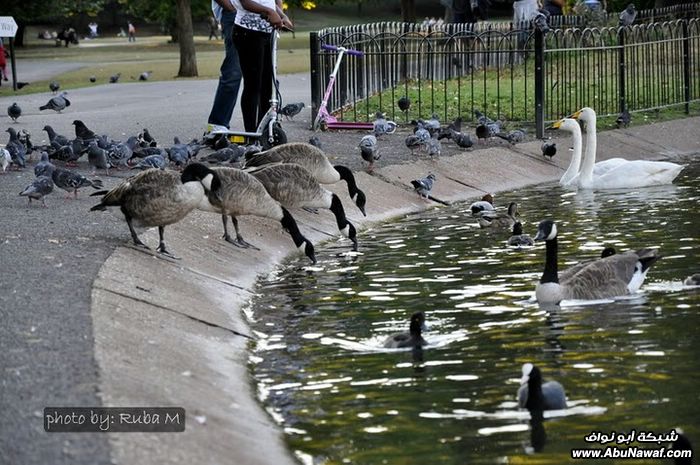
point(159, 198)
point(315, 161)
point(612, 276)
point(412, 338)
point(536, 396)
point(618, 173)
point(294, 187)
point(240, 193)
point(518, 238)
point(492, 219)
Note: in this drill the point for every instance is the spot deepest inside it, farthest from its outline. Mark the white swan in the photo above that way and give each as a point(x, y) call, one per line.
point(572, 126)
point(618, 173)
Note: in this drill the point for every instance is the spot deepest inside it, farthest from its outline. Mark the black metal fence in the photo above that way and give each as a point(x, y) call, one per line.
point(511, 72)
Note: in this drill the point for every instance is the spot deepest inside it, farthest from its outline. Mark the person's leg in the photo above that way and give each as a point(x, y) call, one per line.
point(249, 44)
point(266, 78)
point(230, 77)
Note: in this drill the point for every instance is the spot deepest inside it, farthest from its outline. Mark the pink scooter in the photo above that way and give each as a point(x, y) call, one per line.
point(325, 120)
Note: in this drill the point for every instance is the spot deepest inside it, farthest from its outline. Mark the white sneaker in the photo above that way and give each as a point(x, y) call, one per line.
point(215, 128)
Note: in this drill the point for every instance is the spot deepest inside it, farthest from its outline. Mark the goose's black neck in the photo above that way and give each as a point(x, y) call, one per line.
point(347, 176)
point(550, 274)
point(290, 225)
point(535, 398)
point(338, 211)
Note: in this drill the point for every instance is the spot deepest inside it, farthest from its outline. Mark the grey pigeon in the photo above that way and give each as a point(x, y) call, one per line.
point(462, 140)
point(146, 140)
point(624, 119)
point(434, 147)
point(54, 86)
point(14, 111)
point(515, 136)
point(21, 84)
point(549, 149)
point(424, 185)
point(145, 75)
point(628, 15)
point(404, 104)
point(382, 125)
point(57, 103)
point(5, 159)
point(151, 161)
point(488, 130)
point(178, 153)
point(433, 124)
point(93, 79)
point(97, 158)
point(447, 131)
point(16, 148)
point(369, 151)
point(540, 21)
point(423, 135)
point(122, 152)
point(82, 131)
point(54, 137)
point(230, 154)
point(24, 138)
point(43, 185)
point(44, 167)
point(114, 78)
point(315, 141)
point(66, 153)
point(414, 142)
point(71, 181)
point(291, 109)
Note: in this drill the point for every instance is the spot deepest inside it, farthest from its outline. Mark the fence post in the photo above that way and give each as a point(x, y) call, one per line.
point(539, 82)
point(315, 77)
point(621, 68)
point(686, 66)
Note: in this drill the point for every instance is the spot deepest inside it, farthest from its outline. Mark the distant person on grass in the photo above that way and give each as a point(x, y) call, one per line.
point(252, 34)
point(213, 28)
point(132, 32)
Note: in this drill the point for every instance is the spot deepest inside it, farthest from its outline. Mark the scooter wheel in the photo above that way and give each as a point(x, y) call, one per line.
point(323, 125)
point(279, 137)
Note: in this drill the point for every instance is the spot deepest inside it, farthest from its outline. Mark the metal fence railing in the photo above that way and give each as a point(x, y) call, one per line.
point(511, 72)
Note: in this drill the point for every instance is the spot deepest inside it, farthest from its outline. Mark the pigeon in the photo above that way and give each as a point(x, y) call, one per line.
point(291, 109)
point(434, 147)
point(24, 137)
point(93, 79)
point(44, 167)
point(57, 103)
point(114, 78)
point(424, 185)
point(462, 140)
point(105, 142)
point(454, 126)
point(146, 140)
point(178, 153)
point(540, 21)
point(5, 159)
point(231, 154)
point(414, 142)
point(82, 131)
point(315, 141)
point(69, 153)
point(382, 125)
point(488, 130)
point(433, 125)
point(97, 158)
point(549, 149)
point(143, 152)
point(628, 15)
point(151, 161)
point(145, 75)
point(42, 186)
point(54, 86)
point(21, 84)
point(423, 135)
point(624, 119)
point(121, 153)
point(16, 149)
point(404, 104)
point(221, 143)
point(369, 152)
point(71, 181)
point(14, 111)
point(514, 136)
point(53, 137)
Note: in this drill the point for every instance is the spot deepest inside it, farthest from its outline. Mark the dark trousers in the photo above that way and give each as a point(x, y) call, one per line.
point(255, 54)
point(230, 77)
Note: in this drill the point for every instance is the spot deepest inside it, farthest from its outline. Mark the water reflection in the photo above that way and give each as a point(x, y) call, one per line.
point(626, 363)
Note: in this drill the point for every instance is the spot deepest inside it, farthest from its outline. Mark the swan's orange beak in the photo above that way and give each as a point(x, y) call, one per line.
point(557, 124)
point(576, 115)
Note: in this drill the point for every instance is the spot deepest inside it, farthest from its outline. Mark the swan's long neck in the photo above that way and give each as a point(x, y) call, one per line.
point(550, 274)
point(575, 164)
point(586, 177)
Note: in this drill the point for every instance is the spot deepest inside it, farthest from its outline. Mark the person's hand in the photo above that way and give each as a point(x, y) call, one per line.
point(287, 23)
point(274, 19)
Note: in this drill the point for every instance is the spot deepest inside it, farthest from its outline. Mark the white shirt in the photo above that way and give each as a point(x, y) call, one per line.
point(217, 10)
point(253, 21)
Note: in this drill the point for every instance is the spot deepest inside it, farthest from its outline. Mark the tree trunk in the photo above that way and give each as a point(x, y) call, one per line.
point(19, 37)
point(408, 11)
point(188, 56)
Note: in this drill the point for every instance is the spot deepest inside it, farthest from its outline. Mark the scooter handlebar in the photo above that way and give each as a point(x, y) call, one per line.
point(349, 51)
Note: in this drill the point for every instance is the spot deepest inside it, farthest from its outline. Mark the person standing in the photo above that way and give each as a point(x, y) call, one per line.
point(252, 34)
point(230, 71)
point(132, 32)
point(213, 28)
point(554, 7)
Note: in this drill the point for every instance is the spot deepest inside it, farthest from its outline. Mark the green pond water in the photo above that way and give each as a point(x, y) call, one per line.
point(320, 369)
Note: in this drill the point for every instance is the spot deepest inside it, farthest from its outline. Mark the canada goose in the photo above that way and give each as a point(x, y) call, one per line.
point(518, 238)
point(612, 276)
point(158, 198)
point(682, 443)
point(608, 251)
point(485, 204)
point(240, 193)
point(294, 187)
point(618, 173)
point(693, 280)
point(491, 219)
point(535, 396)
point(315, 161)
point(412, 338)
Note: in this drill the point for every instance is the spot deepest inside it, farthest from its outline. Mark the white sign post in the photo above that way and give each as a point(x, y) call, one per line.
point(8, 28)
